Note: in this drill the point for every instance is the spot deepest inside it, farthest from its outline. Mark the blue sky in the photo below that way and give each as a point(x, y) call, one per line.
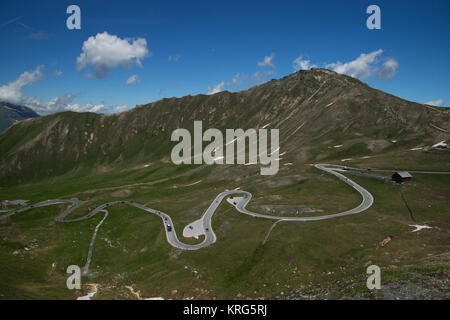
point(176, 48)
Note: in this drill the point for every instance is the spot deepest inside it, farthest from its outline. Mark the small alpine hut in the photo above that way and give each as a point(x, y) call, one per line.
point(401, 176)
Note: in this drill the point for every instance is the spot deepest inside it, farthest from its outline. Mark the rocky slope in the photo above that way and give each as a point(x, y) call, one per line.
point(10, 113)
point(313, 109)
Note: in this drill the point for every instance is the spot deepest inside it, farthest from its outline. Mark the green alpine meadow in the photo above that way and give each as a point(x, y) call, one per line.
point(322, 116)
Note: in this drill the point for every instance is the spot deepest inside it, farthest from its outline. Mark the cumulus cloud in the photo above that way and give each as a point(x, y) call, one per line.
point(267, 62)
point(120, 109)
point(98, 108)
point(58, 73)
point(362, 67)
point(43, 107)
point(175, 57)
point(300, 63)
point(216, 88)
point(436, 103)
point(85, 108)
point(12, 92)
point(134, 79)
point(106, 52)
point(365, 66)
point(64, 103)
point(388, 69)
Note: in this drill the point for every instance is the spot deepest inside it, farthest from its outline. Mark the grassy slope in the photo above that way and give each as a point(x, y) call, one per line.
point(296, 255)
point(131, 248)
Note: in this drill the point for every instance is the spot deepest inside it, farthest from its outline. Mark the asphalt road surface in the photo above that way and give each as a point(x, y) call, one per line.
point(239, 203)
point(396, 170)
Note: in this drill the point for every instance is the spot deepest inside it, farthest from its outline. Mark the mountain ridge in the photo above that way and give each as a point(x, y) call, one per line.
point(10, 113)
point(311, 108)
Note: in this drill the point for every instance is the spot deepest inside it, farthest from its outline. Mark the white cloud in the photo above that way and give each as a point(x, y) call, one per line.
point(120, 109)
point(238, 78)
point(362, 67)
point(86, 108)
point(42, 107)
point(175, 57)
point(235, 79)
point(98, 108)
point(388, 69)
point(261, 76)
point(301, 64)
point(366, 65)
point(58, 73)
point(436, 103)
point(216, 89)
point(105, 52)
point(235, 82)
point(64, 103)
point(134, 79)
point(12, 92)
point(267, 62)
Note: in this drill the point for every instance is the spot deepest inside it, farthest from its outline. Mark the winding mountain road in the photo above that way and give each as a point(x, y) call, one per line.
point(239, 203)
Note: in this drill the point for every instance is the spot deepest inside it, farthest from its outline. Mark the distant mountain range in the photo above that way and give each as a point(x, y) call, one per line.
point(10, 113)
point(314, 111)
